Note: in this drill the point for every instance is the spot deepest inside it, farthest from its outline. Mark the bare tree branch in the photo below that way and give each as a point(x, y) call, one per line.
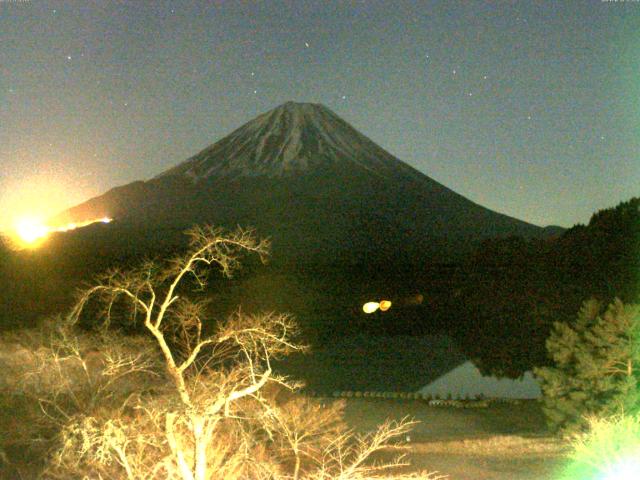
point(219, 418)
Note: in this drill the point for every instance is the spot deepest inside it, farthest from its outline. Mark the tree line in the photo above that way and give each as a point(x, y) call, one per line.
point(511, 290)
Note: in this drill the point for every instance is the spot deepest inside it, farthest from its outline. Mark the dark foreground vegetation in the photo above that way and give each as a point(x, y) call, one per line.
point(138, 381)
point(177, 399)
point(511, 291)
point(499, 302)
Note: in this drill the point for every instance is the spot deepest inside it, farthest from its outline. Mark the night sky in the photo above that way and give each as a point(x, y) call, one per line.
point(529, 108)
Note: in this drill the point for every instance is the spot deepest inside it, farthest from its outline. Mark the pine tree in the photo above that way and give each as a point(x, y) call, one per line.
point(597, 366)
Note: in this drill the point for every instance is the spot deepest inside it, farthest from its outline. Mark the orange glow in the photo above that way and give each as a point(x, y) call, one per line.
point(54, 188)
point(382, 305)
point(30, 232)
point(385, 305)
point(74, 225)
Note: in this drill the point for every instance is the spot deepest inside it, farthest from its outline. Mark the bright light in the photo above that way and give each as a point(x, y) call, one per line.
point(609, 451)
point(370, 307)
point(626, 469)
point(385, 305)
point(74, 225)
point(30, 231)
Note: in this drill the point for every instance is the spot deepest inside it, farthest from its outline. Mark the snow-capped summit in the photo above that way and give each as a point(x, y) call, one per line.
point(292, 138)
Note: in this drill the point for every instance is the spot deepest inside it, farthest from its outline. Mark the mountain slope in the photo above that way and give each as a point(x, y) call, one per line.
point(290, 140)
point(318, 187)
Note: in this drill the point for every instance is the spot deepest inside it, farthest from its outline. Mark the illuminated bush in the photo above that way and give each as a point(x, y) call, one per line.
point(597, 366)
point(609, 451)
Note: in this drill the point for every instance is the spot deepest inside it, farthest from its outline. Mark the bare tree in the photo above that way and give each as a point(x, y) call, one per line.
point(218, 419)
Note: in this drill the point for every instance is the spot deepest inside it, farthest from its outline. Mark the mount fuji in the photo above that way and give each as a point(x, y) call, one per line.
point(320, 189)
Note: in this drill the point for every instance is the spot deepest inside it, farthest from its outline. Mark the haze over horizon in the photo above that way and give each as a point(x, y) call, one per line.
point(529, 110)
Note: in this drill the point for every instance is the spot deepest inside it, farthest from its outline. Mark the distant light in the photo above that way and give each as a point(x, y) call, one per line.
point(67, 227)
point(370, 307)
point(382, 305)
point(75, 225)
point(30, 232)
point(385, 305)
